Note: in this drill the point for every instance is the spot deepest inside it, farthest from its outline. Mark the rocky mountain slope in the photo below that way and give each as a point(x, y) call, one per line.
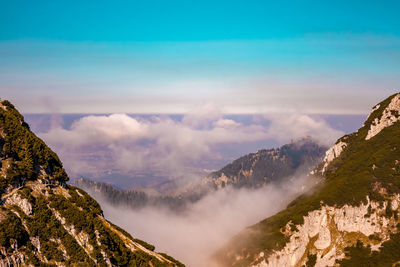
point(272, 165)
point(350, 219)
point(44, 221)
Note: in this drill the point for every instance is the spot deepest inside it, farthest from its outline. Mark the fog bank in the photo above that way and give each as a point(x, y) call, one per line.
point(193, 236)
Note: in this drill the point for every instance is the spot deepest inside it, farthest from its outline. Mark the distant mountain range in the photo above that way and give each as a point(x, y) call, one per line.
point(46, 222)
point(351, 218)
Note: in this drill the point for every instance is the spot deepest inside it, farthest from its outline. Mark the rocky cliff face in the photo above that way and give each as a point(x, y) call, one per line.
point(44, 221)
point(333, 153)
point(327, 232)
point(350, 219)
point(389, 116)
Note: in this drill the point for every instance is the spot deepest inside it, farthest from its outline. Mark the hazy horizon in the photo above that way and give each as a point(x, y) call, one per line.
point(143, 154)
point(156, 57)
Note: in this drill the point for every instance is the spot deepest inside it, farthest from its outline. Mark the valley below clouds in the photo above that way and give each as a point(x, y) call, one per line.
point(171, 147)
point(194, 234)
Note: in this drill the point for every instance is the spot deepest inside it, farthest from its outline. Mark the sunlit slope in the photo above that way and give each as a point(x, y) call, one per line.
point(353, 210)
point(44, 221)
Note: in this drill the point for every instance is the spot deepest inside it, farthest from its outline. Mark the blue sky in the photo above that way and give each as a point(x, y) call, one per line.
point(168, 56)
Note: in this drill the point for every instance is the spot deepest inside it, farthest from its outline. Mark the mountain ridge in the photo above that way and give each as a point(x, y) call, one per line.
point(350, 219)
point(46, 222)
point(269, 165)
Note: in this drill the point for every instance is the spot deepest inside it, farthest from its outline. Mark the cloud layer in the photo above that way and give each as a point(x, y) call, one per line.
point(193, 236)
point(170, 147)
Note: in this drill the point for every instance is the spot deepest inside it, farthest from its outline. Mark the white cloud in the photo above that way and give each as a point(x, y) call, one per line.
point(202, 116)
point(224, 123)
point(93, 130)
point(174, 148)
point(288, 126)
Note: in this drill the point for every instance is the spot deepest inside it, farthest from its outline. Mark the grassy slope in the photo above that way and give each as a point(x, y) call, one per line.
point(349, 179)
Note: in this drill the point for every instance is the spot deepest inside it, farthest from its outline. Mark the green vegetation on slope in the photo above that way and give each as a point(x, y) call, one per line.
point(364, 168)
point(272, 165)
point(137, 199)
point(65, 226)
point(25, 153)
point(85, 219)
point(11, 229)
point(361, 255)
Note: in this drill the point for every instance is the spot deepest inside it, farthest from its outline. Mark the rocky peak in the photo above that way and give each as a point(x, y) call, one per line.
point(384, 118)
